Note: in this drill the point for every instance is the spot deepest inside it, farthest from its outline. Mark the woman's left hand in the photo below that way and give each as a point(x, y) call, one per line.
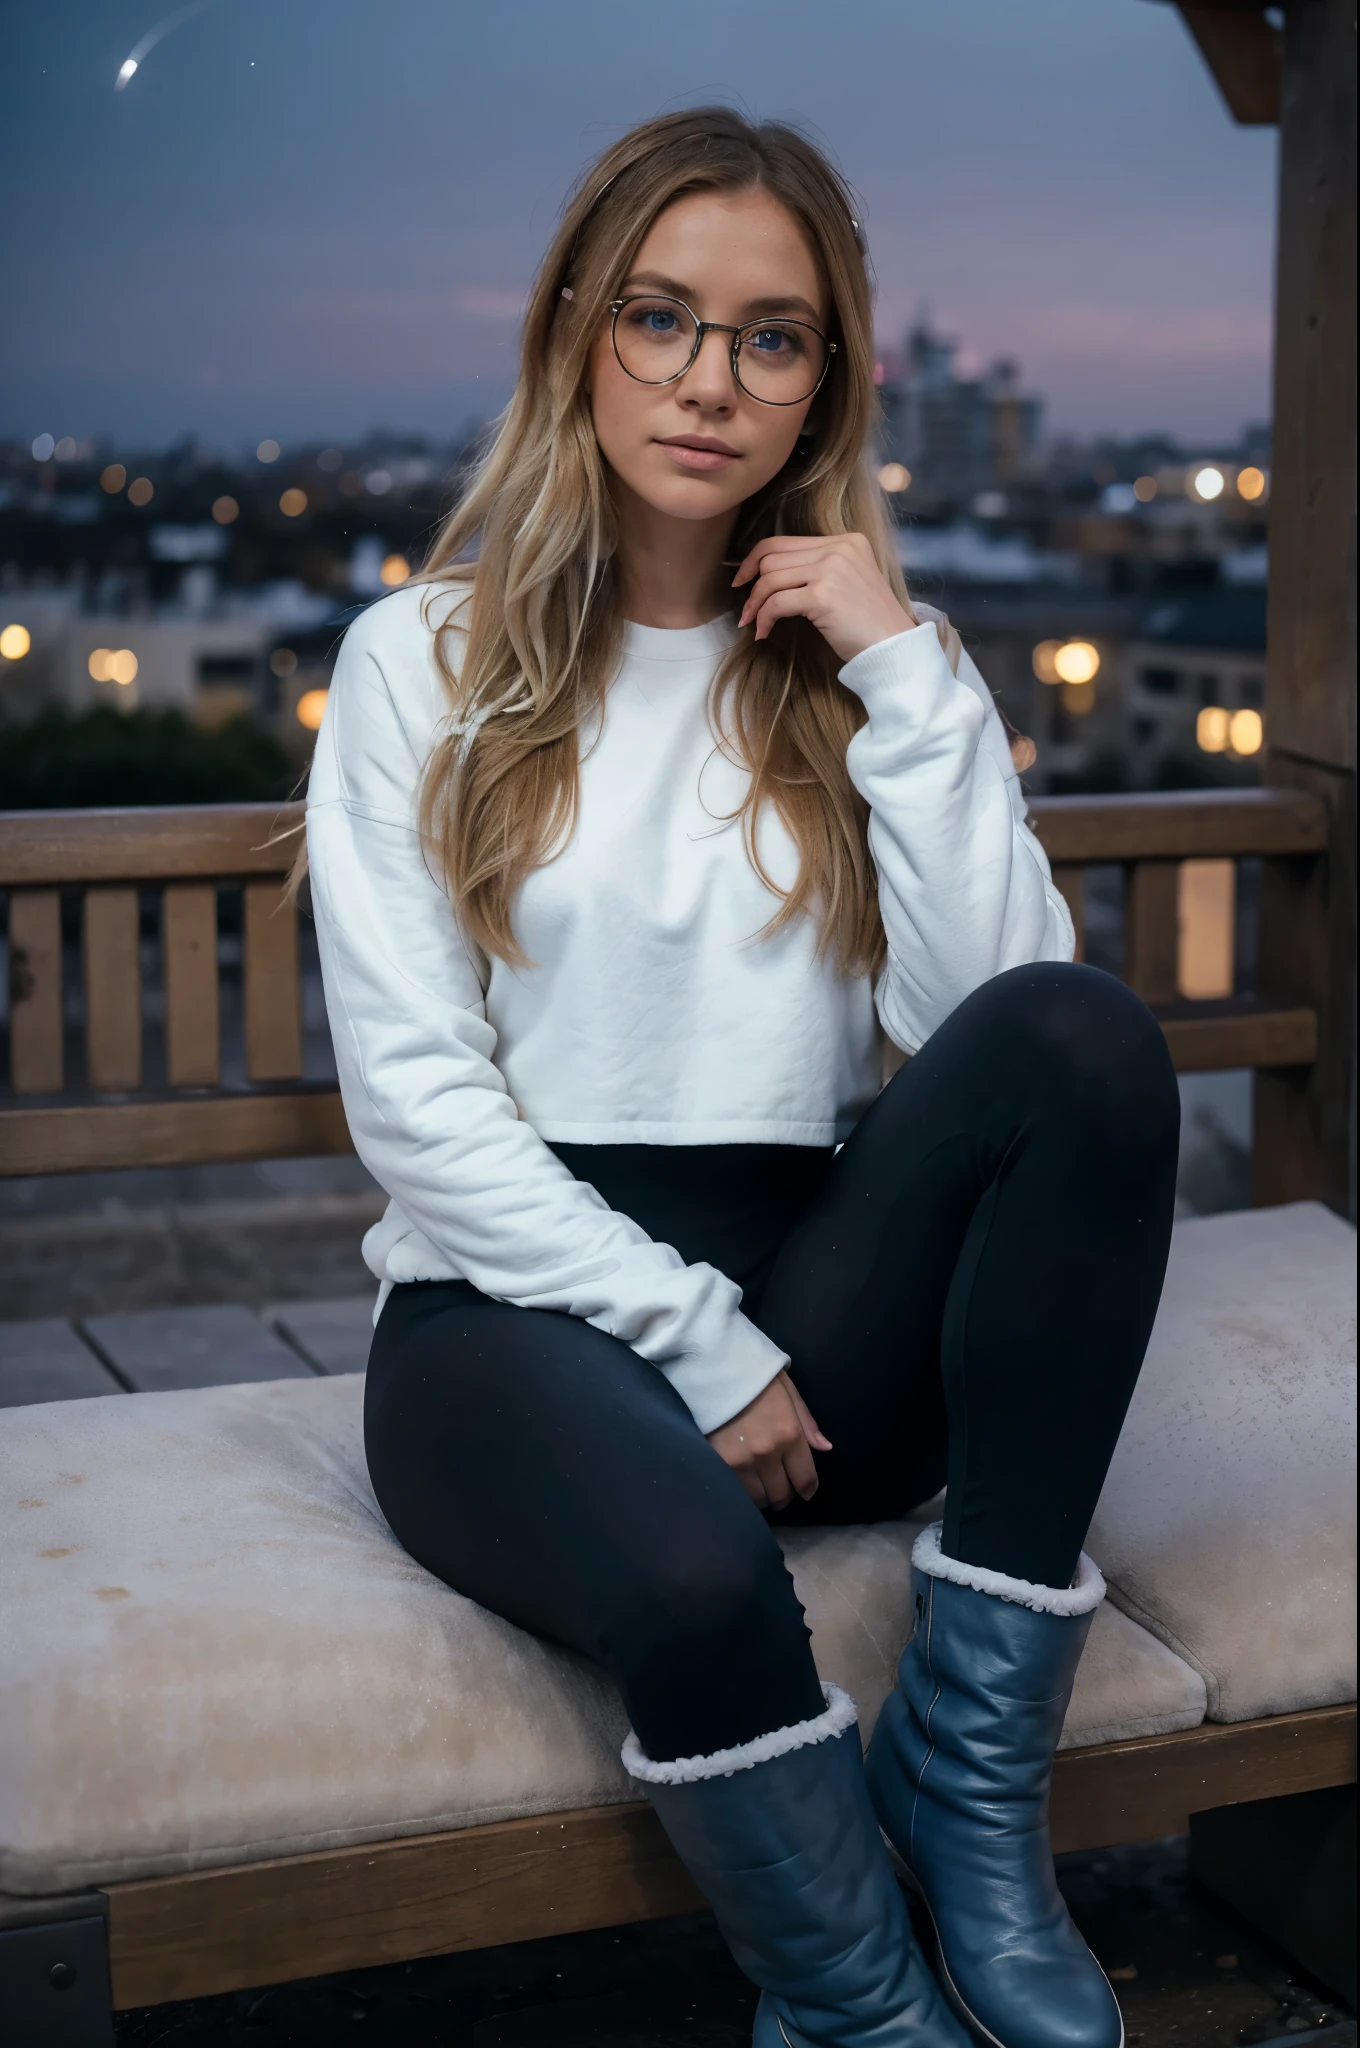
point(832, 580)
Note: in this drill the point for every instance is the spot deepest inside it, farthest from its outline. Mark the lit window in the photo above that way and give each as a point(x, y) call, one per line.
point(1076, 661)
point(1211, 728)
point(15, 642)
point(1042, 661)
point(1246, 730)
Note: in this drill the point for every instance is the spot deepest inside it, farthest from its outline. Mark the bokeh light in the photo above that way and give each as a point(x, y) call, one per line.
point(1076, 661)
point(395, 570)
point(113, 479)
point(43, 448)
point(225, 510)
point(1246, 730)
point(379, 482)
point(330, 460)
point(15, 642)
point(1042, 661)
point(894, 476)
point(141, 491)
point(122, 666)
point(98, 665)
point(1211, 729)
point(1251, 483)
point(1079, 698)
point(1208, 483)
point(293, 503)
point(283, 663)
point(268, 451)
point(1145, 489)
point(311, 709)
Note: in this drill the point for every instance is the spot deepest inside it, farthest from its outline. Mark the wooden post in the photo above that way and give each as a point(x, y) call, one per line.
point(1305, 1118)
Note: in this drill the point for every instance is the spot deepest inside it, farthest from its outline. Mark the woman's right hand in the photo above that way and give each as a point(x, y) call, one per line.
point(770, 1444)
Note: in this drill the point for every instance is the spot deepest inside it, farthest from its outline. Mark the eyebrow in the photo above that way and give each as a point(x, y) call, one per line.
point(672, 288)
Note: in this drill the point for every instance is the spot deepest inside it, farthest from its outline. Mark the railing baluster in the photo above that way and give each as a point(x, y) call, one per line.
point(193, 1034)
point(273, 989)
point(1150, 934)
point(1069, 879)
point(113, 990)
point(35, 1037)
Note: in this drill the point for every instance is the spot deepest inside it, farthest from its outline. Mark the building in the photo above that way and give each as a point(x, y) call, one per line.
point(1195, 679)
point(960, 438)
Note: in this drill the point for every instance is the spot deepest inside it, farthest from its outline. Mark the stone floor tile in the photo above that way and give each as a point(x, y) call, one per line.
point(45, 1360)
point(155, 1350)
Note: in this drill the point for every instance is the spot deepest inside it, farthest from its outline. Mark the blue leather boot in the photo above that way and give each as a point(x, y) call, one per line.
point(959, 1771)
point(781, 1839)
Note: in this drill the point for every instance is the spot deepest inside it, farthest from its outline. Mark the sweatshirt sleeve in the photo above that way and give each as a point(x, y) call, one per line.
point(428, 1109)
point(963, 883)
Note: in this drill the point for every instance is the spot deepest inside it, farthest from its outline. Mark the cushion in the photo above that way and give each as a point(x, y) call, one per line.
point(1227, 1524)
point(213, 1650)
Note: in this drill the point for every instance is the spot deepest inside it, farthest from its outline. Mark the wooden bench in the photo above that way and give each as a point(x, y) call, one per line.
point(172, 1071)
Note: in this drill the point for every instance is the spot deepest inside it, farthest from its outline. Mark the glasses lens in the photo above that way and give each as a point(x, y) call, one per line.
point(781, 362)
point(654, 338)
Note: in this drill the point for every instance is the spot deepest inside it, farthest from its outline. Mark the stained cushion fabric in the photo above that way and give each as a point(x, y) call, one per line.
point(1227, 1524)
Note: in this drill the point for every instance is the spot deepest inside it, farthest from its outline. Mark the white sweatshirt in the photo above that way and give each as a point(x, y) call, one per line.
point(652, 1013)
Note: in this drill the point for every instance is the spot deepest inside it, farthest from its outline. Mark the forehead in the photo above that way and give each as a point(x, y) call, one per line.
point(733, 247)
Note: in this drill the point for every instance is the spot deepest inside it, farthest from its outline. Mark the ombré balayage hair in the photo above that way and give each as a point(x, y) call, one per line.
point(543, 630)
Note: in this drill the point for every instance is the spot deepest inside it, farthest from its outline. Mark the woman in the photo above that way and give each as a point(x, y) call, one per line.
point(631, 857)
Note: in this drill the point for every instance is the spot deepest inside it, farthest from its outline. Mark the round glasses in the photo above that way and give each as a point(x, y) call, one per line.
point(776, 362)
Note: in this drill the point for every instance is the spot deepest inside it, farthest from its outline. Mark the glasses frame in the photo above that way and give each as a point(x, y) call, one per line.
point(703, 327)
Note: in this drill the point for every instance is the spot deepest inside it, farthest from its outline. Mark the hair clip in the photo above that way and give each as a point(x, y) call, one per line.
point(566, 291)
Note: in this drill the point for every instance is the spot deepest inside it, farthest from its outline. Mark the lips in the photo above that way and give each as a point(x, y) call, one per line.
point(699, 451)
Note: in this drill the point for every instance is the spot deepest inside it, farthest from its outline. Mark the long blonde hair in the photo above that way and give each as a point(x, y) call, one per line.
point(499, 791)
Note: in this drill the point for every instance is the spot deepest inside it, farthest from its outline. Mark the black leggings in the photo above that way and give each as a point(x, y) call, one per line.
point(965, 1290)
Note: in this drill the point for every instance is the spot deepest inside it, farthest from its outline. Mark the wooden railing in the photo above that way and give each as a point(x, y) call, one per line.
point(191, 1104)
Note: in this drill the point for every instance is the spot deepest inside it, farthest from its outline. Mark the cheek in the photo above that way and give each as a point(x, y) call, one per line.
point(618, 408)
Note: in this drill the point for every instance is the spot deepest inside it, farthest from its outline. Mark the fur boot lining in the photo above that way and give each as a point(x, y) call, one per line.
point(725, 1763)
point(1081, 1597)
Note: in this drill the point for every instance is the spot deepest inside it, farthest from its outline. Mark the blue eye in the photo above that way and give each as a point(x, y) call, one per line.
point(771, 341)
point(659, 320)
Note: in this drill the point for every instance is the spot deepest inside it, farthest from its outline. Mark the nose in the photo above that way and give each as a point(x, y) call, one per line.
point(708, 385)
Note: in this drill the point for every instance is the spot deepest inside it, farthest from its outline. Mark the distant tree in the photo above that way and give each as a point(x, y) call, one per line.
point(63, 760)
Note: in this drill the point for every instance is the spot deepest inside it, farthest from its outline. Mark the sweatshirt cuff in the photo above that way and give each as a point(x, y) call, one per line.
point(888, 663)
point(716, 1387)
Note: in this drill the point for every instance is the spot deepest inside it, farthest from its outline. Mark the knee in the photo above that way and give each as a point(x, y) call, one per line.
point(705, 1605)
point(1093, 1047)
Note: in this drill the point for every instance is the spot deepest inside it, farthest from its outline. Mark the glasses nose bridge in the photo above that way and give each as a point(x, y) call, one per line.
point(702, 330)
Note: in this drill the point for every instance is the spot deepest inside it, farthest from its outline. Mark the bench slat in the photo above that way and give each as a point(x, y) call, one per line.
point(1179, 825)
point(113, 990)
point(273, 986)
point(193, 1031)
point(346, 1909)
point(35, 1035)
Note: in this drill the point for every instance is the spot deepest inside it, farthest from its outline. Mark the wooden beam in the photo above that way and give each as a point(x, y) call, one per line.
point(1198, 824)
point(1242, 51)
point(1305, 1124)
point(1214, 1038)
point(148, 845)
point(347, 1909)
point(297, 1123)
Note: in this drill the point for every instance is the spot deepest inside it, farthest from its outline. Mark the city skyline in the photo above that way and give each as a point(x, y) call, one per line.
point(302, 222)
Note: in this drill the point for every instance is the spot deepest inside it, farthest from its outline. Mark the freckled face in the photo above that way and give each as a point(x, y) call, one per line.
point(697, 447)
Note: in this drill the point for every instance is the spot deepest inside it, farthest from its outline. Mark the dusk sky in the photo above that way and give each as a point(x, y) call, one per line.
point(308, 217)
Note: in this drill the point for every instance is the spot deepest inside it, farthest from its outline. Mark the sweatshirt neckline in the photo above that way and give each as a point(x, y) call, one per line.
point(682, 643)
